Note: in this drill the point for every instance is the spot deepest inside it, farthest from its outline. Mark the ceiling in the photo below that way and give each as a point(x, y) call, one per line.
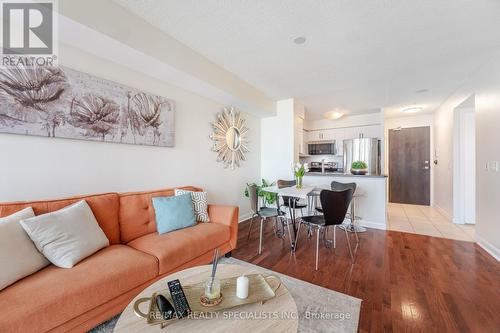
point(360, 56)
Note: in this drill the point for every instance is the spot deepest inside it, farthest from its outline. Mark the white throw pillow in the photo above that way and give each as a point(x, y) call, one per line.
point(200, 204)
point(68, 235)
point(18, 255)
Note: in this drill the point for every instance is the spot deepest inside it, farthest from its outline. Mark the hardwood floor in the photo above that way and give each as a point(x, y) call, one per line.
point(408, 282)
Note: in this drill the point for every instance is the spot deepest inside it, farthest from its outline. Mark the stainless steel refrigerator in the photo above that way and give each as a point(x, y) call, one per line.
point(363, 149)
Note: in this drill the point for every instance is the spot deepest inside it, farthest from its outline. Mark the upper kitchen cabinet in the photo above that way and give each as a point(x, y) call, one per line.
point(303, 148)
point(316, 135)
point(321, 135)
point(351, 133)
point(371, 131)
point(339, 141)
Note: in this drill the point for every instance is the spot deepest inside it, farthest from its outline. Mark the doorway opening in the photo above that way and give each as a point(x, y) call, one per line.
point(409, 165)
point(464, 161)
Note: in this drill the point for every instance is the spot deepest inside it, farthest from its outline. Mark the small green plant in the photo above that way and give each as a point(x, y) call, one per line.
point(357, 165)
point(269, 198)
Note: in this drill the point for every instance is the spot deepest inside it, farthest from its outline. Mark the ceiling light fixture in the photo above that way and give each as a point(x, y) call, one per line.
point(413, 109)
point(299, 40)
point(333, 115)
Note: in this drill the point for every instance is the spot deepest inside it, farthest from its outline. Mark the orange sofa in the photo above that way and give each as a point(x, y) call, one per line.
point(74, 300)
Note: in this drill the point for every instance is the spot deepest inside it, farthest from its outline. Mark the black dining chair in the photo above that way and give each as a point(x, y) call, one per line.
point(291, 203)
point(338, 186)
point(264, 213)
point(335, 205)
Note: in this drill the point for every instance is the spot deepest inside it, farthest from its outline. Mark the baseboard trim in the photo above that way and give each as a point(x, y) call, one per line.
point(244, 217)
point(373, 225)
point(488, 247)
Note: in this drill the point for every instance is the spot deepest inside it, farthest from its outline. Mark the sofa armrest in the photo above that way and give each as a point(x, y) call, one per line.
point(227, 215)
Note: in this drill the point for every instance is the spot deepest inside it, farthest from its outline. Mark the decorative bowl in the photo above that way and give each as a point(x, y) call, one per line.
point(359, 171)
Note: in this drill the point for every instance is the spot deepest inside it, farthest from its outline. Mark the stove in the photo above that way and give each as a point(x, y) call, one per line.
point(323, 166)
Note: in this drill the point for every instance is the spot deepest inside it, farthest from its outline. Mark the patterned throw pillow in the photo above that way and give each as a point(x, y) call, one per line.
point(200, 204)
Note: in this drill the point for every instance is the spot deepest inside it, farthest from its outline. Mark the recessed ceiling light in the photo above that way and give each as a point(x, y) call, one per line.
point(413, 109)
point(299, 40)
point(333, 115)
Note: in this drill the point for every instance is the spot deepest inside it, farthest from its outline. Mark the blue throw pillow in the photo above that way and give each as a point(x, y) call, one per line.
point(173, 213)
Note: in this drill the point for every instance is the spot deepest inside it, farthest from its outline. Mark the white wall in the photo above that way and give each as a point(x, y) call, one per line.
point(277, 142)
point(40, 168)
point(409, 122)
point(485, 84)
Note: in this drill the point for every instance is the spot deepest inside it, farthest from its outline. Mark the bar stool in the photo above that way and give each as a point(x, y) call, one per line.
point(337, 186)
point(352, 227)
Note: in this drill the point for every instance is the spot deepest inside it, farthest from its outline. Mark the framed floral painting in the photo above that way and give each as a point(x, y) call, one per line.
point(60, 102)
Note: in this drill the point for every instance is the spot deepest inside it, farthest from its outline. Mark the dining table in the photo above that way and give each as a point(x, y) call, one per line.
point(310, 193)
point(304, 192)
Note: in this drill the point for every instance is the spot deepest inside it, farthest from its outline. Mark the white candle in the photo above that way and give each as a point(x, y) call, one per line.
point(242, 287)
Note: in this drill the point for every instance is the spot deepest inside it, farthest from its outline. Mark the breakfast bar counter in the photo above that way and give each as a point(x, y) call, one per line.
point(371, 195)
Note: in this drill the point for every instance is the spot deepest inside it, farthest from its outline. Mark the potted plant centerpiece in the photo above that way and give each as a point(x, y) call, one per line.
point(359, 168)
point(300, 170)
point(267, 197)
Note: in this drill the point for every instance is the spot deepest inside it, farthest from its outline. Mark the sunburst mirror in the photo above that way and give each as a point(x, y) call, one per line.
point(229, 137)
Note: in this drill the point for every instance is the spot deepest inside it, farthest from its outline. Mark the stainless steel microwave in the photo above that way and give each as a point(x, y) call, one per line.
point(321, 148)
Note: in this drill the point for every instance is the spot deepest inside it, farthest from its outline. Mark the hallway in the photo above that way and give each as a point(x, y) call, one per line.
point(426, 220)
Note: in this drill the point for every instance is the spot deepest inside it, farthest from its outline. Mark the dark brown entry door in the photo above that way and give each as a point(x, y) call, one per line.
point(409, 166)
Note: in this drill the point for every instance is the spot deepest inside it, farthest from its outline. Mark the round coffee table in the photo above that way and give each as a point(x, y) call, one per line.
point(276, 315)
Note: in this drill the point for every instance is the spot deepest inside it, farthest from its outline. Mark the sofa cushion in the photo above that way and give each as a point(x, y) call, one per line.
point(104, 207)
point(173, 213)
point(137, 215)
point(68, 235)
point(55, 295)
point(18, 255)
point(200, 204)
point(178, 247)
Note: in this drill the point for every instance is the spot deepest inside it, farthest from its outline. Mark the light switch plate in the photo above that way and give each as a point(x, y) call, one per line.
point(493, 166)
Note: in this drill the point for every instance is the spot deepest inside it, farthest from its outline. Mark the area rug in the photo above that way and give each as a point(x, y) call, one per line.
point(320, 309)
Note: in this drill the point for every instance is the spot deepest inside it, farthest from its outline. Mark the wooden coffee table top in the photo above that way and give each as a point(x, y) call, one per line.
point(276, 315)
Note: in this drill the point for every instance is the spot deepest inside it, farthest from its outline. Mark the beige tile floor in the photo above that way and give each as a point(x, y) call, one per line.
point(426, 220)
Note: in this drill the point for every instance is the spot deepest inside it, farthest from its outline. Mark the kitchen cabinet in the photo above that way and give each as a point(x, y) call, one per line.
point(316, 135)
point(372, 131)
point(351, 133)
point(341, 134)
point(303, 150)
point(339, 141)
point(301, 138)
point(322, 135)
point(329, 134)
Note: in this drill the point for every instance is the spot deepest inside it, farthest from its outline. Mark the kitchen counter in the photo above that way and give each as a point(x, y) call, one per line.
point(371, 194)
point(341, 174)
